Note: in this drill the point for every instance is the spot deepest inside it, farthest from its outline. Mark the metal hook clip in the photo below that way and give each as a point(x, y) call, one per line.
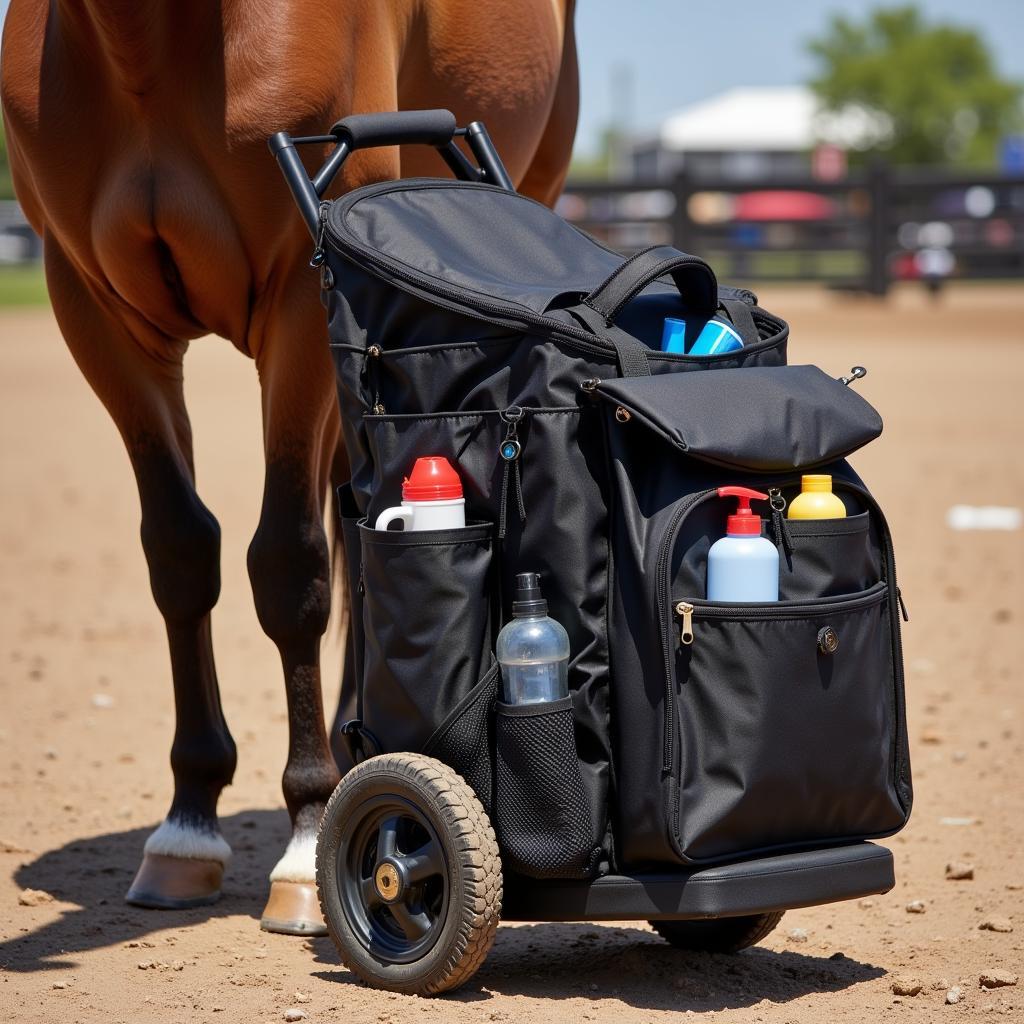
point(856, 372)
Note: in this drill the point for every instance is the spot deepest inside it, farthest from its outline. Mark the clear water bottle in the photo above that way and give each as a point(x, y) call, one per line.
point(532, 649)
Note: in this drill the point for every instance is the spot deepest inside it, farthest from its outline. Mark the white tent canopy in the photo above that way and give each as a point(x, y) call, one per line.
point(767, 118)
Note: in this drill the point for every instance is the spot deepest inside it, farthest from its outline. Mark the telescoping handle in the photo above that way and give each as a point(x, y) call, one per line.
point(435, 128)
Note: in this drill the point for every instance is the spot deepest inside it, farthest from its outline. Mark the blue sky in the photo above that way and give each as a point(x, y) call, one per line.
point(679, 51)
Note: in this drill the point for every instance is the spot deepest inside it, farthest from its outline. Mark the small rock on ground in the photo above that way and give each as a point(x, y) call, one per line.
point(997, 978)
point(954, 995)
point(294, 1013)
point(33, 897)
point(996, 924)
point(916, 907)
point(301, 997)
point(958, 870)
point(798, 935)
point(904, 985)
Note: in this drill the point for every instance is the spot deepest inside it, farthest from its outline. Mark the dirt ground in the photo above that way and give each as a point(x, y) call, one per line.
point(86, 720)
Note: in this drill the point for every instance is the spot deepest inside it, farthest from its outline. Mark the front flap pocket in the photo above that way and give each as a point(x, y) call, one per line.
point(787, 724)
point(542, 815)
point(427, 621)
point(765, 419)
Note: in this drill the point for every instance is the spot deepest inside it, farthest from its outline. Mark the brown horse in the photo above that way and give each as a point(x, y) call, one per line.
point(137, 135)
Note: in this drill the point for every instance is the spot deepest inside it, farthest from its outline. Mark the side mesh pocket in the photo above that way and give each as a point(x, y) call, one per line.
point(465, 740)
point(543, 818)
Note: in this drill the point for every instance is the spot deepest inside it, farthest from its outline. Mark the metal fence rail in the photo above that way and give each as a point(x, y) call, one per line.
point(862, 232)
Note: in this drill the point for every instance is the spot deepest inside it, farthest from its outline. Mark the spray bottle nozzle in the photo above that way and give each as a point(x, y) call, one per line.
point(743, 520)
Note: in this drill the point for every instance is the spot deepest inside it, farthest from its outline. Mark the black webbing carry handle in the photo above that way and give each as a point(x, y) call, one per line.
point(692, 276)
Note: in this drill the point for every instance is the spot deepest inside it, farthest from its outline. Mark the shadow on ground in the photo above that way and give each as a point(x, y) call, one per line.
point(542, 961)
point(635, 967)
point(94, 873)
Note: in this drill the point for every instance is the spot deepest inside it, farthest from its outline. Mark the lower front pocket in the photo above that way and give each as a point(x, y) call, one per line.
point(427, 624)
point(543, 819)
point(787, 722)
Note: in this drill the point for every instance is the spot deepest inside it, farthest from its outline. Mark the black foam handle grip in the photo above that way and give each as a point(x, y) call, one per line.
point(396, 128)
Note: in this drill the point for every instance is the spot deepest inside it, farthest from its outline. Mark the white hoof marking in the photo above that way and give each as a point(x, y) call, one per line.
point(299, 861)
point(174, 839)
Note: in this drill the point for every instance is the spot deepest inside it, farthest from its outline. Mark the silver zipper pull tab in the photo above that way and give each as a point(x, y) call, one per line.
point(856, 372)
point(685, 612)
point(319, 255)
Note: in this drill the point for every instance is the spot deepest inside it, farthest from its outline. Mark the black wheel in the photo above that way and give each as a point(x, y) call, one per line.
point(408, 873)
point(721, 935)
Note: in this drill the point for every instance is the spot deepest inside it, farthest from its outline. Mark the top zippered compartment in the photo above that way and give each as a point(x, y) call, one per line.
point(484, 252)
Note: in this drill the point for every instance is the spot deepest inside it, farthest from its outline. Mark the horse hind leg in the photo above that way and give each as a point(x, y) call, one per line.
point(289, 567)
point(184, 858)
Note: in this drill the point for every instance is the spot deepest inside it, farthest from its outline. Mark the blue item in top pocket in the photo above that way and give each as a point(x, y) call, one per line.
point(716, 338)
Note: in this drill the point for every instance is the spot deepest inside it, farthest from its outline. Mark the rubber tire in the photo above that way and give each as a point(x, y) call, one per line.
point(721, 935)
point(474, 884)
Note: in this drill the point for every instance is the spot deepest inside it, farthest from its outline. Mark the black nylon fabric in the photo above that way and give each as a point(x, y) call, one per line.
point(770, 419)
point(427, 627)
point(829, 557)
point(762, 711)
point(449, 303)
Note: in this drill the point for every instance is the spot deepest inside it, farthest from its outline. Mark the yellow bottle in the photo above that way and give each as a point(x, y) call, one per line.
point(816, 500)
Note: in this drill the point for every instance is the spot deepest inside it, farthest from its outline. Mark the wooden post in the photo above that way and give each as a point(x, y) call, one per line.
point(880, 192)
point(682, 227)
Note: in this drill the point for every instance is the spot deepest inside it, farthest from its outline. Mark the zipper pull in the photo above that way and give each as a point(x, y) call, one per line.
point(783, 538)
point(685, 611)
point(509, 451)
point(361, 582)
point(319, 255)
point(903, 607)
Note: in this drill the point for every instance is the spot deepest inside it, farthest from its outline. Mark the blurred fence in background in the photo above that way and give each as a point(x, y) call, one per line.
point(861, 232)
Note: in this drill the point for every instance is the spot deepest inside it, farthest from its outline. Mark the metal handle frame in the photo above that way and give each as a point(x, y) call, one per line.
point(307, 191)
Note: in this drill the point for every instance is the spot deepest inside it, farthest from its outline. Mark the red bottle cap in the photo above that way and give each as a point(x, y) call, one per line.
point(742, 522)
point(432, 479)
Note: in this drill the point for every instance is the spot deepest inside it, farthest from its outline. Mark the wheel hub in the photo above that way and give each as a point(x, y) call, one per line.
point(388, 882)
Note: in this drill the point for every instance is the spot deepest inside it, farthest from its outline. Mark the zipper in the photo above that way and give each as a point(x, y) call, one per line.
point(371, 365)
point(737, 612)
point(664, 606)
point(662, 583)
point(455, 300)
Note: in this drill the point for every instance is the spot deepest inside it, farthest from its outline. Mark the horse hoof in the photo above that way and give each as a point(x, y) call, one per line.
point(293, 909)
point(175, 883)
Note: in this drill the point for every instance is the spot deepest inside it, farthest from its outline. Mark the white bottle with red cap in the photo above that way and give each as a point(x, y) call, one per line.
point(431, 498)
point(743, 565)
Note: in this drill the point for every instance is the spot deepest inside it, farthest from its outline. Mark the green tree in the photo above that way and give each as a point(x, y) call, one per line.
point(931, 86)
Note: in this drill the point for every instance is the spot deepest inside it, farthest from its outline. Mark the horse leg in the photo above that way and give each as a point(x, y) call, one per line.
point(137, 374)
point(550, 164)
point(289, 568)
